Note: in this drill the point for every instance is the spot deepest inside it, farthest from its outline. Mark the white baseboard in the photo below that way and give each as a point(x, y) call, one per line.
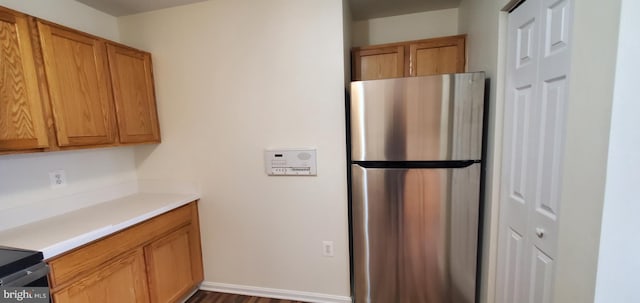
point(295, 295)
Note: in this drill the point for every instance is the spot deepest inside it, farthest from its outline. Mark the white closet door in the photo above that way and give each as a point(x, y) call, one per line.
point(534, 127)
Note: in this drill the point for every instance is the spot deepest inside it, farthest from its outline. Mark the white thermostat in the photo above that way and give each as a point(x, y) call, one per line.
point(290, 162)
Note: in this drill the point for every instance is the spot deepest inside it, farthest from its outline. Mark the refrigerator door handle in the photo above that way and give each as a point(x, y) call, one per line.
point(416, 164)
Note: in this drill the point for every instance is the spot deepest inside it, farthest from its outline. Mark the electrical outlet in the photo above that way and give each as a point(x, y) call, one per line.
point(58, 178)
point(327, 248)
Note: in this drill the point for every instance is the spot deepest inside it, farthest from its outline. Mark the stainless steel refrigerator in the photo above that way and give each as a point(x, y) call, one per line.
point(416, 146)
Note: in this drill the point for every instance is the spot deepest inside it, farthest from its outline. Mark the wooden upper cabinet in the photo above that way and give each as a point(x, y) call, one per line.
point(64, 89)
point(133, 91)
point(22, 124)
point(77, 72)
point(437, 56)
point(378, 63)
point(411, 58)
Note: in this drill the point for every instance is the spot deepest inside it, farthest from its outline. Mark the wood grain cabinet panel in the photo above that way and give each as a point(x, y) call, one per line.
point(22, 124)
point(80, 261)
point(437, 56)
point(442, 55)
point(134, 96)
point(169, 266)
point(159, 260)
point(79, 86)
point(64, 89)
point(378, 63)
point(122, 280)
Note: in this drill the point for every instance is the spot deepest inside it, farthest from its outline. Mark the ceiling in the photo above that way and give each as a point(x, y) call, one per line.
point(368, 9)
point(360, 9)
point(128, 7)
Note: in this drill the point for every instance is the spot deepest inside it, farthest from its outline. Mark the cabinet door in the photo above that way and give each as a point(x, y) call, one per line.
point(172, 265)
point(79, 86)
point(122, 280)
point(133, 92)
point(378, 63)
point(22, 123)
point(437, 56)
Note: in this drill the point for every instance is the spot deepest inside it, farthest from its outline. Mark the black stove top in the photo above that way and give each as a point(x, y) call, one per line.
point(16, 259)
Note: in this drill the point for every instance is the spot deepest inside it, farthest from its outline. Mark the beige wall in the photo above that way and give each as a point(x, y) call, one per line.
point(405, 27)
point(483, 22)
point(346, 38)
point(69, 13)
point(234, 77)
point(24, 178)
point(585, 163)
point(618, 262)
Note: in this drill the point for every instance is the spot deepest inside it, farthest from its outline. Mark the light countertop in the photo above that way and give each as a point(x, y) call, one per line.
point(59, 234)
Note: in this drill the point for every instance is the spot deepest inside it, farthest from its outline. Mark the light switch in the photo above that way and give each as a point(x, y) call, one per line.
point(290, 162)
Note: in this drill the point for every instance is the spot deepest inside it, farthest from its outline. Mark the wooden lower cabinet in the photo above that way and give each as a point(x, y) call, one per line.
point(158, 260)
point(121, 280)
point(169, 267)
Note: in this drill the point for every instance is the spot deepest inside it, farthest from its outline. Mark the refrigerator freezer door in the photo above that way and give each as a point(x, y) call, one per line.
point(415, 234)
point(417, 119)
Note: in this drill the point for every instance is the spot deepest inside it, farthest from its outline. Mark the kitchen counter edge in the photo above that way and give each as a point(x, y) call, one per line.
point(59, 234)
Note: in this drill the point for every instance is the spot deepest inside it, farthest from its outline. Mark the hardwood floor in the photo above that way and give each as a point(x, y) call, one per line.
point(216, 297)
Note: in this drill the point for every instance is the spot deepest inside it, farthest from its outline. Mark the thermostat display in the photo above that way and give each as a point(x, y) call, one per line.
point(290, 162)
